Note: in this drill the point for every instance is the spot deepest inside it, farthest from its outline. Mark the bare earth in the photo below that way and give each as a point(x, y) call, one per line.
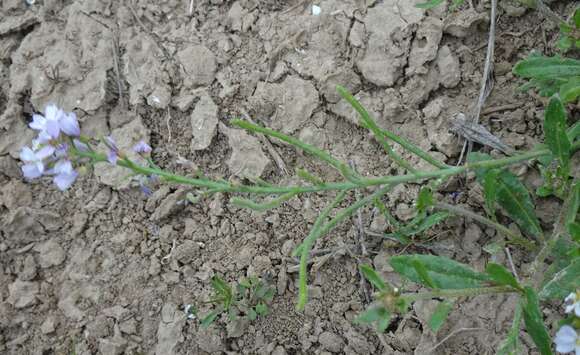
point(93, 270)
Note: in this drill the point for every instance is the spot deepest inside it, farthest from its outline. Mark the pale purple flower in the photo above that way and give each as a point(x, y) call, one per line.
point(61, 150)
point(567, 340)
point(34, 166)
point(142, 147)
point(80, 146)
point(65, 174)
point(70, 125)
point(113, 153)
point(49, 124)
point(573, 303)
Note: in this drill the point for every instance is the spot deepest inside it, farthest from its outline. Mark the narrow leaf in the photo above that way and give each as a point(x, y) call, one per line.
point(429, 4)
point(510, 345)
point(425, 199)
point(573, 132)
point(535, 322)
point(423, 225)
point(371, 275)
point(384, 322)
point(440, 315)
point(563, 283)
point(501, 276)
point(372, 314)
point(209, 319)
point(444, 273)
point(574, 205)
point(555, 132)
point(547, 67)
point(490, 191)
point(423, 275)
point(512, 195)
point(570, 91)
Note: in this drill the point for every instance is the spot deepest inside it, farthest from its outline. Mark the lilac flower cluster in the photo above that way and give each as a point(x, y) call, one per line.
point(58, 135)
point(49, 151)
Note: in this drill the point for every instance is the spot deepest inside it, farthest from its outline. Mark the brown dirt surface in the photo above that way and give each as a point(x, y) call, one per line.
point(101, 269)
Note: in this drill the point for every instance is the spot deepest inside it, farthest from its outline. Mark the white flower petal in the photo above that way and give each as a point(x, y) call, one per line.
point(27, 155)
point(566, 339)
point(38, 122)
point(45, 152)
point(571, 297)
point(30, 171)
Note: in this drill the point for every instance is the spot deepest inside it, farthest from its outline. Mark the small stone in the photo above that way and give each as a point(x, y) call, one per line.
point(204, 120)
point(210, 340)
point(23, 293)
point(449, 69)
point(187, 251)
point(433, 109)
point(159, 98)
point(245, 256)
point(171, 277)
point(248, 160)
point(28, 269)
point(50, 254)
point(279, 350)
point(199, 64)
point(331, 342)
point(48, 326)
point(154, 266)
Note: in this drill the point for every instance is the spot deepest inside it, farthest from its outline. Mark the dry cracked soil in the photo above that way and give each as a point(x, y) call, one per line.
point(102, 269)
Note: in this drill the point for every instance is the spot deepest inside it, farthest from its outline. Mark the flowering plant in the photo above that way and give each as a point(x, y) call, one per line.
point(60, 151)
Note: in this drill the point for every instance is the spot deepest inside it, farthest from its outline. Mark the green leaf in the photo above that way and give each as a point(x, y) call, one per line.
point(261, 309)
point(423, 274)
point(576, 18)
point(440, 315)
point(574, 230)
point(223, 289)
point(539, 67)
point(512, 196)
point(423, 225)
point(573, 204)
point(564, 43)
point(371, 275)
point(425, 199)
point(570, 91)
point(501, 276)
point(372, 314)
point(555, 132)
point(535, 322)
point(443, 272)
point(383, 323)
point(563, 283)
point(429, 4)
point(510, 345)
point(490, 191)
point(209, 319)
point(252, 314)
point(573, 132)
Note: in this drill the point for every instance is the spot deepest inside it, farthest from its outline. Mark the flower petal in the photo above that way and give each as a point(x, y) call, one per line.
point(45, 152)
point(52, 112)
point(142, 147)
point(565, 339)
point(64, 181)
point(30, 171)
point(38, 122)
point(69, 124)
point(52, 128)
point(27, 154)
point(112, 157)
point(80, 146)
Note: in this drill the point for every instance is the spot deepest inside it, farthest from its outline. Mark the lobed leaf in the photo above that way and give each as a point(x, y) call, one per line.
point(444, 273)
point(535, 323)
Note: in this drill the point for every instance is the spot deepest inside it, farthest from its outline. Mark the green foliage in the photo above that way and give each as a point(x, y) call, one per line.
point(501, 276)
point(555, 135)
point(551, 75)
point(511, 195)
point(535, 322)
point(249, 299)
point(371, 275)
point(570, 33)
point(433, 3)
point(563, 283)
point(437, 272)
point(511, 344)
point(439, 316)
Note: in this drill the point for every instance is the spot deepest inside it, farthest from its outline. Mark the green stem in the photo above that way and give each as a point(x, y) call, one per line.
point(513, 238)
point(320, 230)
point(339, 186)
point(449, 293)
point(381, 133)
